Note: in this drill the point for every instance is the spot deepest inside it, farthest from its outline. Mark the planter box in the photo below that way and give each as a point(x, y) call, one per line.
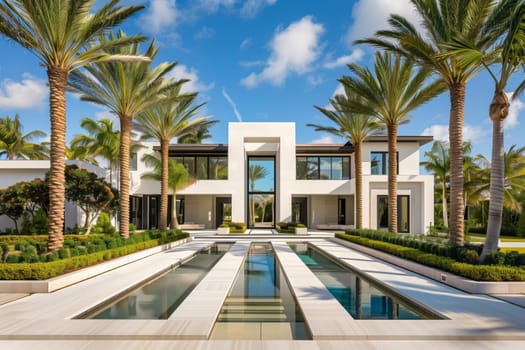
point(301, 230)
point(223, 230)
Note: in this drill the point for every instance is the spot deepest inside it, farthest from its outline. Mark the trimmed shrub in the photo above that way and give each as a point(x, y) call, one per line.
point(28, 266)
point(475, 272)
point(104, 225)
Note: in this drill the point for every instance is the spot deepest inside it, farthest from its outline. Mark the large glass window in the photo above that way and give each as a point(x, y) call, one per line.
point(322, 168)
point(261, 191)
point(205, 167)
point(379, 163)
point(218, 168)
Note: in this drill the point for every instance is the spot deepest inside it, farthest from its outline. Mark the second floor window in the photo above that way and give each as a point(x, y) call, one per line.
point(205, 167)
point(379, 163)
point(322, 168)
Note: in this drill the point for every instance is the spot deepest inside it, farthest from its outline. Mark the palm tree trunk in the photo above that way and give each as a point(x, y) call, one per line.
point(164, 144)
point(498, 112)
point(444, 199)
point(457, 209)
point(392, 177)
point(358, 185)
point(125, 135)
point(174, 224)
point(57, 78)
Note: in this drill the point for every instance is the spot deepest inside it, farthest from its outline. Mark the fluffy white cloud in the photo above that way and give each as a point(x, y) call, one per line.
point(193, 85)
point(251, 8)
point(470, 132)
point(294, 49)
point(339, 90)
point(205, 33)
point(29, 93)
point(324, 139)
point(232, 104)
point(355, 56)
point(515, 107)
point(211, 6)
point(159, 15)
point(368, 16)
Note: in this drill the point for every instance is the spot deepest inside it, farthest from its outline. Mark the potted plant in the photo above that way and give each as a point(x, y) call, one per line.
point(223, 229)
point(301, 229)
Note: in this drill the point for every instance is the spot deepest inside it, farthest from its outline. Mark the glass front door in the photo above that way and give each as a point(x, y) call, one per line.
point(261, 191)
point(223, 210)
point(403, 213)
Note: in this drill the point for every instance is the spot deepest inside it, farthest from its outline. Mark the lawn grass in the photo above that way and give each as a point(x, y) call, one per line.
point(472, 237)
point(506, 250)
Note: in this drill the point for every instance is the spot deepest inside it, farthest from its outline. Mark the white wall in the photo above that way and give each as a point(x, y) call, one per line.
point(322, 210)
point(408, 156)
point(199, 210)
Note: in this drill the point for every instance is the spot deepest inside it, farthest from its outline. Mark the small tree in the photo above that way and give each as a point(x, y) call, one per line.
point(91, 193)
point(13, 203)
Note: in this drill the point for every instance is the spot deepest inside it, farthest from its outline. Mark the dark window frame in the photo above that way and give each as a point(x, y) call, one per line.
point(384, 160)
point(307, 176)
point(193, 172)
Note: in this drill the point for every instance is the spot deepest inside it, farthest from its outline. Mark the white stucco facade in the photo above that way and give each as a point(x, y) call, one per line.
point(321, 197)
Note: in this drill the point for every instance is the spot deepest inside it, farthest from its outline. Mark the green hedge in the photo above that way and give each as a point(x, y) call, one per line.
point(45, 270)
point(474, 272)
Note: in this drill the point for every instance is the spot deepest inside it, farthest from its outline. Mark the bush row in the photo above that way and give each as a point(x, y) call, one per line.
point(467, 253)
point(474, 272)
point(45, 270)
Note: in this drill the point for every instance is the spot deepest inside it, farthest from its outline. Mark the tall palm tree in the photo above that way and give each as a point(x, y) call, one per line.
point(442, 21)
point(102, 140)
point(356, 128)
point(255, 172)
point(438, 162)
point(508, 53)
point(173, 117)
point(62, 35)
point(178, 178)
point(197, 136)
point(126, 89)
point(389, 94)
point(82, 153)
point(14, 144)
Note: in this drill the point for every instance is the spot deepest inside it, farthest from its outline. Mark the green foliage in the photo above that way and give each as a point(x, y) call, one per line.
point(237, 227)
point(132, 228)
point(27, 225)
point(78, 252)
point(104, 224)
point(40, 224)
point(444, 258)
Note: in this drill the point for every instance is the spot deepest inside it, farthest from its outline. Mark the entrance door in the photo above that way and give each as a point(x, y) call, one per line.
point(403, 213)
point(341, 211)
point(223, 210)
point(153, 212)
point(299, 210)
point(261, 191)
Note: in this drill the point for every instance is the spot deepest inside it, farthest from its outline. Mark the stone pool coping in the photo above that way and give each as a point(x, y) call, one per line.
point(462, 283)
point(65, 280)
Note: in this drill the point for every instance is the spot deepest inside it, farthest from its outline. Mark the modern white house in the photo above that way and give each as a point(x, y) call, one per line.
point(262, 177)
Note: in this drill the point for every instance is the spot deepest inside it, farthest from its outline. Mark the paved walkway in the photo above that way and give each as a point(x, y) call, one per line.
point(44, 321)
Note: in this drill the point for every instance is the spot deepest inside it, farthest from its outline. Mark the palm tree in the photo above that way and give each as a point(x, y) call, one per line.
point(442, 21)
point(62, 35)
point(197, 136)
point(356, 128)
point(126, 89)
point(255, 173)
point(173, 117)
point(102, 140)
point(508, 54)
point(178, 178)
point(76, 152)
point(438, 162)
point(15, 145)
point(389, 94)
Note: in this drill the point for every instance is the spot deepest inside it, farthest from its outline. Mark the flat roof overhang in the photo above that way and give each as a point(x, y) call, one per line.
point(196, 149)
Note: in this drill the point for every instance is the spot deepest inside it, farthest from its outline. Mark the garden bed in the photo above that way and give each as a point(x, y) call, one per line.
point(35, 266)
point(422, 253)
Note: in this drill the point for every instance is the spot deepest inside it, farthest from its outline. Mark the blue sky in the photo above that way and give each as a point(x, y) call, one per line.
point(258, 61)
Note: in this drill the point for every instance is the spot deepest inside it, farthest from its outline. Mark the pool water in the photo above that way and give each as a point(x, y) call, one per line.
point(361, 298)
point(260, 304)
point(158, 298)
